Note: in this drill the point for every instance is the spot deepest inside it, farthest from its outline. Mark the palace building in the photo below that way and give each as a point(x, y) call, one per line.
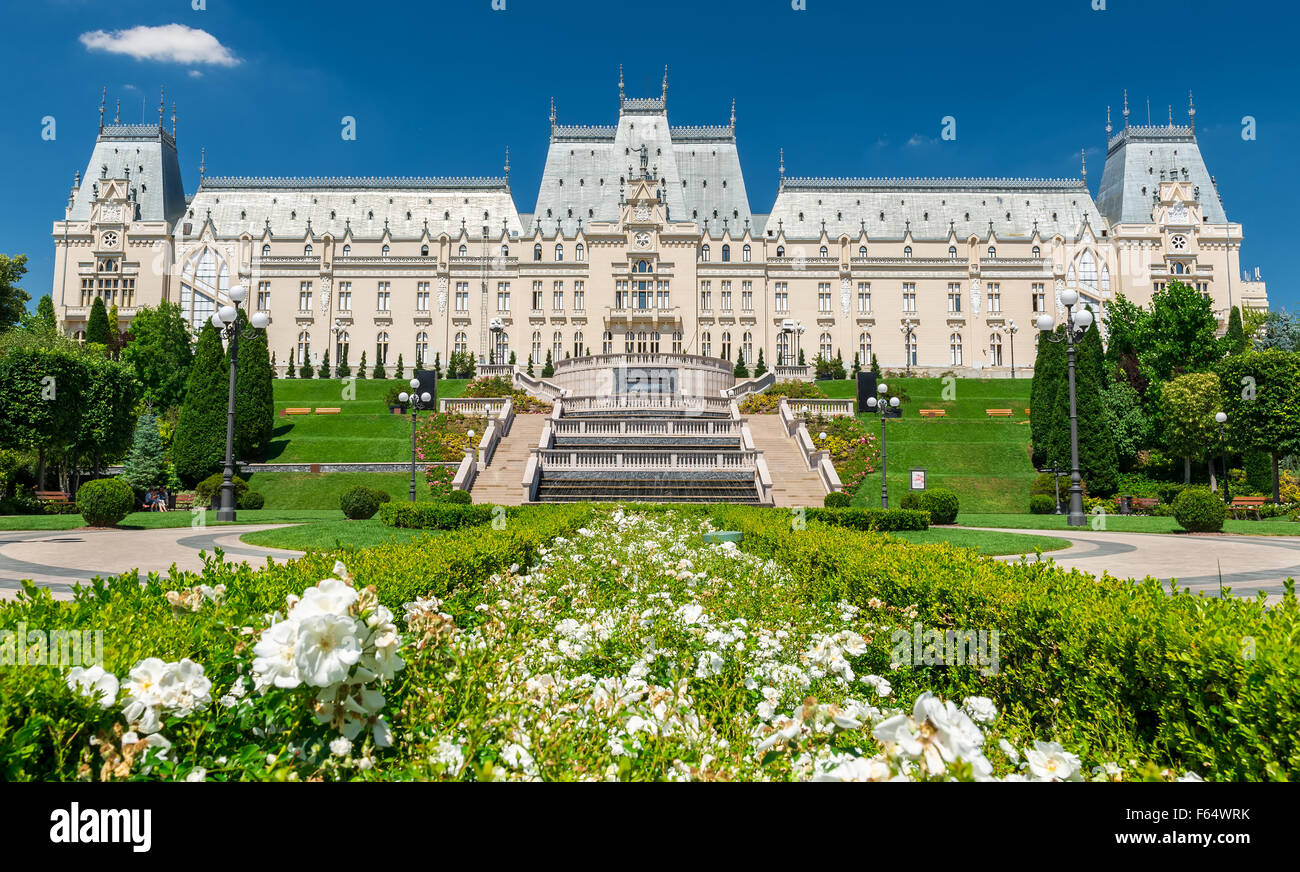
point(642, 239)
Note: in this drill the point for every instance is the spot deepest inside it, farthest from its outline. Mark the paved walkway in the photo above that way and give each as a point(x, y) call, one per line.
point(1248, 564)
point(59, 559)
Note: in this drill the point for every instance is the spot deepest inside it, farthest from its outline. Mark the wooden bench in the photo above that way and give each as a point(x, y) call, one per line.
point(934, 413)
point(1247, 504)
point(1145, 502)
point(49, 496)
point(184, 501)
point(295, 411)
point(330, 411)
point(998, 413)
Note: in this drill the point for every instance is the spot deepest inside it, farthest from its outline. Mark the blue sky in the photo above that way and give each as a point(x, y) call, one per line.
point(847, 88)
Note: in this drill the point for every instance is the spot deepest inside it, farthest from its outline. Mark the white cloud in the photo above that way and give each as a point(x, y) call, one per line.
point(169, 42)
point(917, 139)
point(196, 74)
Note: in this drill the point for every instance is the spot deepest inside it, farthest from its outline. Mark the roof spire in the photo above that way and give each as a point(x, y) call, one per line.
point(1126, 108)
point(665, 95)
point(1171, 114)
point(102, 97)
point(1083, 158)
point(620, 83)
point(203, 163)
point(1108, 127)
point(552, 111)
point(173, 119)
point(117, 113)
point(162, 105)
point(781, 169)
point(507, 166)
point(1191, 111)
point(733, 114)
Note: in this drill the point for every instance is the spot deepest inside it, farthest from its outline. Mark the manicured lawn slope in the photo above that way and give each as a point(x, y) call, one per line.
point(303, 490)
point(1126, 524)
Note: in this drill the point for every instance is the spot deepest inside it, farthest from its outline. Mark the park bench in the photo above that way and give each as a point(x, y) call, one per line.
point(53, 496)
point(1247, 504)
point(295, 411)
point(998, 413)
point(328, 411)
point(934, 413)
point(184, 501)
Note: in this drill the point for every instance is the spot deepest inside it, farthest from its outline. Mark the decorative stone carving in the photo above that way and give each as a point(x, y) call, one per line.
point(442, 294)
point(1060, 307)
point(326, 284)
point(975, 297)
point(846, 287)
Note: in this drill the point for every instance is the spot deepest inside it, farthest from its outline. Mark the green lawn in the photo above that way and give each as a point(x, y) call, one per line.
point(984, 460)
point(1127, 524)
point(305, 490)
point(363, 431)
point(324, 535)
point(156, 520)
point(986, 542)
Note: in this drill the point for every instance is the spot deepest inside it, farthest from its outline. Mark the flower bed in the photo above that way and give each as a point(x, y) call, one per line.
point(853, 445)
point(766, 403)
point(493, 387)
point(597, 644)
point(444, 436)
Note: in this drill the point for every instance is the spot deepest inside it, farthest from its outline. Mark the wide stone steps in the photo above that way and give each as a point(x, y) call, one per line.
point(793, 483)
point(499, 481)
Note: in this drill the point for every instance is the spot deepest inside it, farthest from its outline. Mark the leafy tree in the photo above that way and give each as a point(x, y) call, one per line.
point(1124, 322)
point(741, 371)
point(1281, 331)
point(161, 354)
point(1188, 405)
point(41, 383)
point(1235, 341)
point(1129, 426)
point(114, 332)
point(1261, 397)
point(146, 465)
point(199, 446)
point(108, 411)
point(13, 299)
point(1178, 334)
point(323, 371)
point(760, 368)
point(254, 394)
point(45, 313)
point(549, 369)
point(97, 323)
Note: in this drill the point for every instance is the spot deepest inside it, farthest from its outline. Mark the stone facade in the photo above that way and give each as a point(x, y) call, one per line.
point(642, 241)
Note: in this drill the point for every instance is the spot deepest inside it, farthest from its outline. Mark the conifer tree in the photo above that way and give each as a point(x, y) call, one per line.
point(146, 465)
point(97, 323)
point(760, 368)
point(254, 394)
point(199, 445)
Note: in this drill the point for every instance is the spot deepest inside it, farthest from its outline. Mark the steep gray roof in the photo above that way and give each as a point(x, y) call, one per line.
point(145, 153)
point(1139, 158)
point(333, 204)
point(930, 207)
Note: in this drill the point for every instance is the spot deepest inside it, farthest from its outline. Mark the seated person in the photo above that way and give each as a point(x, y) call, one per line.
point(162, 499)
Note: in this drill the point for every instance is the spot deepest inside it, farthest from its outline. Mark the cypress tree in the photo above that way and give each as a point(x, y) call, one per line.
point(549, 369)
point(146, 465)
point(400, 367)
point(324, 370)
point(45, 312)
point(1235, 340)
point(378, 371)
point(760, 368)
point(437, 365)
point(97, 323)
point(289, 371)
point(199, 446)
point(254, 395)
point(1049, 373)
point(1097, 459)
point(741, 371)
point(361, 370)
point(530, 365)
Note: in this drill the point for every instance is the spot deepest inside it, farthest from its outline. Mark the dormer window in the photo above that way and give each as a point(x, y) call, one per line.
point(993, 253)
point(862, 251)
point(726, 254)
point(306, 251)
point(462, 251)
point(824, 252)
point(907, 251)
point(424, 251)
point(347, 250)
point(952, 252)
point(559, 252)
point(704, 253)
point(780, 251)
point(1038, 252)
point(745, 254)
point(537, 251)
point(579, 253)
point(266, 251)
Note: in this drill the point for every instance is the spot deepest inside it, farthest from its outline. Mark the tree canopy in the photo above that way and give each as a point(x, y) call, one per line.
point(161, 354)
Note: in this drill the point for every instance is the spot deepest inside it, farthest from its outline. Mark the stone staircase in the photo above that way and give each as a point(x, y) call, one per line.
point(499, 481)
point(793, 483)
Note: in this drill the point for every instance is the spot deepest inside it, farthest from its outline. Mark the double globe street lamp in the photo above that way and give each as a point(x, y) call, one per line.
point(1077, 324)
point(1221, 419)
point(882, 406)
point(908, 329)
point(418, 401)
point(226, 320)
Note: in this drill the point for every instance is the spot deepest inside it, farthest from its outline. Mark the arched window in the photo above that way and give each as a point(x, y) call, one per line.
point(824, 251)
point(1037, 252)
point(607, 343)
point(654, 342)
point(381, 349)
point(304, 348)
point(501, 347)
point(706, 344)
point(266, 251)
point(577, 344)
point(783, 349)
point(643, 266)
point(537, 346)
point(993, 253)
point(559, 252)
point(677, 342)
point(341, 342)
point(306, 251)
point(704, 253)
point(1178, 268)
point(864, 349)
point(907, 251)
point(745, 254)
point(505, 251)
point(629, 342)
point(726, 346)
point(383, 252)
point(1105, 277)
point(952, 252)
point(780, 251)
point(1088, 269)
point(862, 251)
point(463, 251)
point(205, 278)
point(954, 349)
point(347, 250)
point(824, 347)
point(726, 254)
point(747, 347)
point(421, 348)
point(537, 251)
point(557, 345)
point(579, 252)
point(995, 349)
point(462, 343)
point(641, 345)
point(424, 251)
point(909, 347)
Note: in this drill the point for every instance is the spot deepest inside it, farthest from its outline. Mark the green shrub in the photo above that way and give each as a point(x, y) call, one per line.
point(252, 501)
point(444, 515)
point(911, 500)
point(106, 501)
point(208, 491)
point(1199, 511)
point(879, 520)
point(359, 503)
point(382, 495)
point(1042, 504)
point(837, 500)
point(459, 496)
point(942, 505)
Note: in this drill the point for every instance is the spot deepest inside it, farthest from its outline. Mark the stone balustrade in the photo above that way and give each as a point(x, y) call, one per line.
point(662, 427)
point(734, 460)
point(803, 408)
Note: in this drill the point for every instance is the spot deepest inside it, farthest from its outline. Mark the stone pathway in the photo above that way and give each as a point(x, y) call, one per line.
point(59, 559)
point(1248, 564)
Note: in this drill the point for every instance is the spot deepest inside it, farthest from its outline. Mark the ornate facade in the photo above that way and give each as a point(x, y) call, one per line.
point(642, 240)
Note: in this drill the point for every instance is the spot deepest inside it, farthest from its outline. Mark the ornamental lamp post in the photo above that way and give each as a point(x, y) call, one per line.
point(908, 329)
point(1011, 330)
point(1077, 324)
point(1222, 419)
point(882, 406)
point(417, 401)
point(226, 320)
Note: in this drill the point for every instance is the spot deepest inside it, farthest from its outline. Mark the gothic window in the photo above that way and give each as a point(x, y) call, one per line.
point(421, 348)
point(993, 253)
point(629, 340)
point(579, 252)
point(537, 251)
point(862, 251)
point(424, 251)
point(747, 348)
point(954, 349)
point(823, 251)
point(824, 346)
point(607, 343)
point(577, 344)
point(304, 347)
point(1088, 269)
point(381, 349)
point(706, 344)
point(383, 252)
point(704, 253)
point(780, 251)
point(745, 254)
point(341, 342)
point(463, 251)
point(306, 251)
point(266, 251)
point(783, 349)
point(952, 252)
point(505, 251)
point(907, 251)
point(347, 250)
point(1037, 251)
point(726, 346)
point(677, 342)
point(557, 345)
point(726, 254)
point(205, 279)
point(995, 349)
point(537, 346)
point(864, 349)
point(462, 343)
point(559, 252)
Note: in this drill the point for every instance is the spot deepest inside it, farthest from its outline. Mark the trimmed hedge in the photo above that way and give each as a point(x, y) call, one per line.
point(359, 503)
point(208, 491)
point(877, 520)
point(1042, 504)
point(837, 500)
point(252, 501)
point(942, 505)
point(1199, 511)
point(105, 501)
point(1118, 669)
point(459, 497)
point(434, 516)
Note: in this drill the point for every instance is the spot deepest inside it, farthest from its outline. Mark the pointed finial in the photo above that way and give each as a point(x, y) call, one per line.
point(1126, 108)
point(1108, 127)
point(781, 168)
point(203, 165)
point(103, 96)
point(162, 105)
point(665, 81)
point(117, 113)
point(733, 113)
point(507, 164)
point(1171, 114)
point(1191, 111)
point(552, 111)
point(620, 83)
point(173, 119)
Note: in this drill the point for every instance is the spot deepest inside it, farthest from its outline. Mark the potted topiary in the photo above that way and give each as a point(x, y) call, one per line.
point(395, 406)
